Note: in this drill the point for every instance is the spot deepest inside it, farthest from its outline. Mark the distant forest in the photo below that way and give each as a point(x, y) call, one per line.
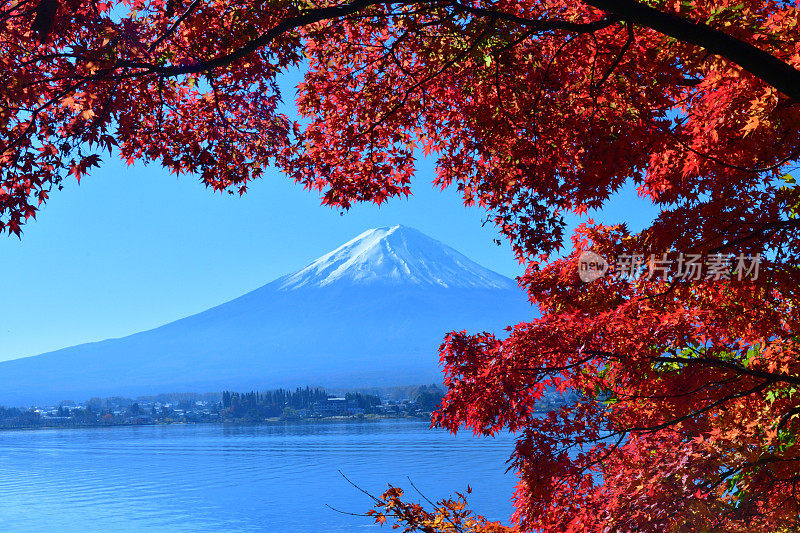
point(286, 403)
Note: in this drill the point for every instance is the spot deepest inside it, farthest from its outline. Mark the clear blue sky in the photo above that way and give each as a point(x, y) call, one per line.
point(132, 248)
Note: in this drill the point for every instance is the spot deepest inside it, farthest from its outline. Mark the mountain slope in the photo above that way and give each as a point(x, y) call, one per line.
point(370, 313)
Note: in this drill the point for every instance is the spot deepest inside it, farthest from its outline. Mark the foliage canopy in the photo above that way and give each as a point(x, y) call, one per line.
point(688, 413)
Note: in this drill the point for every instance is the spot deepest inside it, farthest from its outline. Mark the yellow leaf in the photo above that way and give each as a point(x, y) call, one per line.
point(752, 124)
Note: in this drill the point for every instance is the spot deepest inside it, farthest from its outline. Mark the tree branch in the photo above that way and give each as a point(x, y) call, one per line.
point(752, 59)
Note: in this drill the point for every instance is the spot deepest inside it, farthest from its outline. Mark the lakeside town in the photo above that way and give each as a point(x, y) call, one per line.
point(302, 404)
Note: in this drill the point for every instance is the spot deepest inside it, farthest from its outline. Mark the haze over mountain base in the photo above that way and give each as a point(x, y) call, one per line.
point(371, 313)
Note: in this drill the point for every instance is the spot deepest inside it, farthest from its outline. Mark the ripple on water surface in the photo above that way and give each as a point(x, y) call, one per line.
point(207, 478)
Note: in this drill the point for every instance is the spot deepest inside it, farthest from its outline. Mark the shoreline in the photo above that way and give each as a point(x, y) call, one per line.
point(229, 423)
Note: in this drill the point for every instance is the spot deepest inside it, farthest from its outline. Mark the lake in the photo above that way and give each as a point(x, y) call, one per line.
point(204, 478)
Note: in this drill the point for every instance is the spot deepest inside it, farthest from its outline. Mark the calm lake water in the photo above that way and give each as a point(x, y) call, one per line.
point(207, 478)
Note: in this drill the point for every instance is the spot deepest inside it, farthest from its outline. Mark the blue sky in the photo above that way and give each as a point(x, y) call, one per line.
point(132, 248)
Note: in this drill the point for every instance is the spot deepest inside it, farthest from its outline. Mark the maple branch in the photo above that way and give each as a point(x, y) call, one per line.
point(617, 60)
point(771, 377)
point(768, 459)
point(313, 16)
point(770, 228)
point(306, 18)
point(553, 369)
point(174, 26)
point(375, 499)
point(663, 425)
point(455, 526)
point(770, 69)
point(562, 482)
point(463, 53)
point(762, 64)
point(752, 59)
point(787, 416)
point(606, 455)
point(719, 363)
point(539, 25)
point(723, 163)
point(700, 388)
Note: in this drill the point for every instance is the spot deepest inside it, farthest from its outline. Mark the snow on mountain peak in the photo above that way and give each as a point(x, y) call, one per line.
point(395, 255)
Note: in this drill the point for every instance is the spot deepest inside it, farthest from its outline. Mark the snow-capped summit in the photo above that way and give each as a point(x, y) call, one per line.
point(395, 255)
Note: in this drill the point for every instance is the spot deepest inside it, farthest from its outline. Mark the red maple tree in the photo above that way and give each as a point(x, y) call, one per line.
point(687, 409)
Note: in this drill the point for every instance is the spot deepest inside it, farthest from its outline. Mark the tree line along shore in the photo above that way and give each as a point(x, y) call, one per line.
point(229, 407)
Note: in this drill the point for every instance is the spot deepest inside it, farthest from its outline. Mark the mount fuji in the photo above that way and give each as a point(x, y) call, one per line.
point(370, 313)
